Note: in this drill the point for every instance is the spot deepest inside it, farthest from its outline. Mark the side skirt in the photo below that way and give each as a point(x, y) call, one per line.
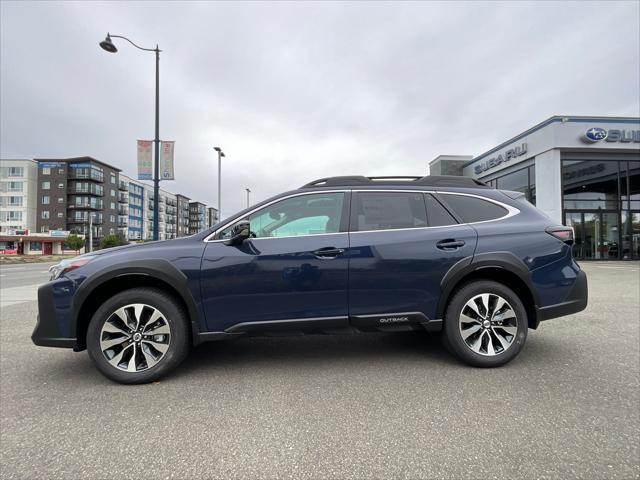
point(344, 325)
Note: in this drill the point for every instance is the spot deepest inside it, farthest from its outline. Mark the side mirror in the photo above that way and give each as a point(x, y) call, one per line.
point(239, 233)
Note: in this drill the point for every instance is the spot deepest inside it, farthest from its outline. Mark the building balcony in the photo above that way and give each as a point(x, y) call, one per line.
point(123, 198)
point(79, 221)
point(124, 186)
point(73, 174)
point(85, 206)
point(92, 190)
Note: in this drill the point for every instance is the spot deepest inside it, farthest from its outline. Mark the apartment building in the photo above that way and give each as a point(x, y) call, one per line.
point(18, 190)
point(167, 214)
point(52, 197)
point(183, 215)
point(70, 190)
point(130, 208)
point(212, 216)
point(197, 217)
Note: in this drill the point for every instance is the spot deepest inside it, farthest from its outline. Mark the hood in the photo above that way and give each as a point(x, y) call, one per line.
point(140, 246)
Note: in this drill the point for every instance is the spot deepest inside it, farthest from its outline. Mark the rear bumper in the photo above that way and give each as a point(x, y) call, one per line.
point(47, 332)
point(576, 301)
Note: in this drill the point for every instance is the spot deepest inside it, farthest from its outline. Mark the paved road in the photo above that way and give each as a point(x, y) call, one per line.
point(19, 283)
point(386, 405)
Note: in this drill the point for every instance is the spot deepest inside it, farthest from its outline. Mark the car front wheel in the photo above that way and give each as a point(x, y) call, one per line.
point(138, 335)
point(485, 324)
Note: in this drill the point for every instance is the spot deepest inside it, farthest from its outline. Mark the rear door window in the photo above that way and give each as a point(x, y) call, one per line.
point(473, 209)
point(387, 211)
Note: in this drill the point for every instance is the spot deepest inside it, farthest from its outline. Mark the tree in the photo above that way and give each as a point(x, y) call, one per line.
point(74, 242)
point(112, 241)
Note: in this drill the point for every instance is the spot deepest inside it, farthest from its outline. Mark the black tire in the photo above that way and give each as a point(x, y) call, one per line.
point(174, 316)
point(452, 335)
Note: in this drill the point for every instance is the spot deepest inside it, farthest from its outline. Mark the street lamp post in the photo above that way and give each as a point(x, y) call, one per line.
point(220, 155)
point(248, 193)
point(108, 45)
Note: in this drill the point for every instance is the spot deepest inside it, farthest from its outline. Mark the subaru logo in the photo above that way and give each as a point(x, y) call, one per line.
point(595, 134)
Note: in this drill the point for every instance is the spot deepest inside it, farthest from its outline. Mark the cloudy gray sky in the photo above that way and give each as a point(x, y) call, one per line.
point(297, 91)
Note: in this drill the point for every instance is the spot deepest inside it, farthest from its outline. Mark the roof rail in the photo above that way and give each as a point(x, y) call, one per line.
point(428, 181)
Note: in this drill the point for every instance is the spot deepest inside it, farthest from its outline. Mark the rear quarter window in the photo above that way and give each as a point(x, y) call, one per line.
point(473, 209)
point(437, 214)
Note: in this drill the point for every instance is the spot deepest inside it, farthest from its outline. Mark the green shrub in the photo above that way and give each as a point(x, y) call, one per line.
point(113, 241)
point(74, 242)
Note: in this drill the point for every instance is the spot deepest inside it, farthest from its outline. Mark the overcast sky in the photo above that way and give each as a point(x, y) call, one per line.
point(298, 91)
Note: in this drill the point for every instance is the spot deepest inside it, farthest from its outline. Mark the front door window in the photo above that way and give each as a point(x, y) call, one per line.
point(313, 214)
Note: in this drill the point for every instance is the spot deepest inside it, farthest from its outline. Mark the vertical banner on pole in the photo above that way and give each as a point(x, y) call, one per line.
point(166, 164)
point(145, 160)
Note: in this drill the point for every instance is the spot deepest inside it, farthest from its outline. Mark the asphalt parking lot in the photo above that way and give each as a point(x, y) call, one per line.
point(379, 405)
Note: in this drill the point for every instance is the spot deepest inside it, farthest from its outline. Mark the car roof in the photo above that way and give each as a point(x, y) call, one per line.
point(427, 181)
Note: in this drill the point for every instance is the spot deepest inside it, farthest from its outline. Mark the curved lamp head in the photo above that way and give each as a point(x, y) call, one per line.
point(108, 45)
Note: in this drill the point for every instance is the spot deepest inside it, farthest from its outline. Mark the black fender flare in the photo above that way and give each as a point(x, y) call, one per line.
point(503, 260)
point(157, 268)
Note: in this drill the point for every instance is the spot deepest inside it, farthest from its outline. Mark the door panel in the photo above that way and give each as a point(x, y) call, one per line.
point(395, 271)
point(579, 245)
point(596, 235)
point(608, 246)
point(268, 279)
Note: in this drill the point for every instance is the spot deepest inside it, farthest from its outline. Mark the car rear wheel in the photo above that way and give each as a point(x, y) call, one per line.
point(485, 324)
point(138, 335)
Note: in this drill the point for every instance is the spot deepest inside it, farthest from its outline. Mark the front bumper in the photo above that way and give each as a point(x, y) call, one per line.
point(52, 311)
point(576, 300)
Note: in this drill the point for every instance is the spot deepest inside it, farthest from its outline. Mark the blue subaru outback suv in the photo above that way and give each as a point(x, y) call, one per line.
point(339, 255)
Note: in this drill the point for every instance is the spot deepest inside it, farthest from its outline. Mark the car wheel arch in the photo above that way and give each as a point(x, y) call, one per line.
point(501, 267)
point(95, 289)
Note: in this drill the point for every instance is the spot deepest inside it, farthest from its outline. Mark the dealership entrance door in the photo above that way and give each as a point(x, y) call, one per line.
point(597, 234)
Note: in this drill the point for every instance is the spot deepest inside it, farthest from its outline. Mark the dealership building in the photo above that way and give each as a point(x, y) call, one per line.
point(581, 171)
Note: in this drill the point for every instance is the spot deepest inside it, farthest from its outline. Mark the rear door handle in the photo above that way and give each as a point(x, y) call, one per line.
point(329, 252)
point(450, 244)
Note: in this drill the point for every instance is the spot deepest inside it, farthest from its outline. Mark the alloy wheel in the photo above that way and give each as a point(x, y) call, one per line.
point(488, 324)
point(135, 337)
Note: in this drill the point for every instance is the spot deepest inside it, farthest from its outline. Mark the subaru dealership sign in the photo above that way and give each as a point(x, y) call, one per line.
point(509, 154)
point(597, 134)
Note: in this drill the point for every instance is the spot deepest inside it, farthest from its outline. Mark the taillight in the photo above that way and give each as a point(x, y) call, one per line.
point(564, 234)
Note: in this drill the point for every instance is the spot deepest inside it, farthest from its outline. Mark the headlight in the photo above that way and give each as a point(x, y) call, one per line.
point(65, 266)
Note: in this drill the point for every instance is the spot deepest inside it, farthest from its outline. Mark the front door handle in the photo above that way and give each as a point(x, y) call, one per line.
point(450, 244)
point(328, 252)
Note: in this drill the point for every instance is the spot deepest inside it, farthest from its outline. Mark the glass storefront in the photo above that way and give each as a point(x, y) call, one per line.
point(601, 201)
point(522, 180)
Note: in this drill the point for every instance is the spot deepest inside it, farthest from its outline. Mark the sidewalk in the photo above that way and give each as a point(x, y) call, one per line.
point(14, 259)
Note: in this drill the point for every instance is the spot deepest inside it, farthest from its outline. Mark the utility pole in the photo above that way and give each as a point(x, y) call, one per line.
point(248, 193)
